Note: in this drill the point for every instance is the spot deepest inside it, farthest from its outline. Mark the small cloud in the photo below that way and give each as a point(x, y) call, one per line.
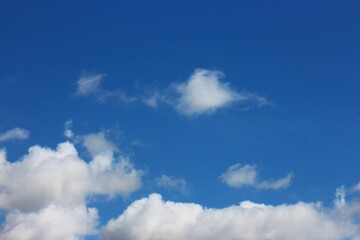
point(170, 182)
point(276, 184)
point(340, 194)
point(239, 175)
point(68, 132)
point(88, 83)
point(204, 92)
point(14, 134)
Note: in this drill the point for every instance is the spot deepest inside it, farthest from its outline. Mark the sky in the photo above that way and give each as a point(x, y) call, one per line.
point(146, 120)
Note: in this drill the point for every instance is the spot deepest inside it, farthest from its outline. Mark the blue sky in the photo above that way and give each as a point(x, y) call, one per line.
point(210, 103)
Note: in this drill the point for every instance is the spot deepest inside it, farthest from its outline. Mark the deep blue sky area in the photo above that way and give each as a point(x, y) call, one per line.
point(303, 56)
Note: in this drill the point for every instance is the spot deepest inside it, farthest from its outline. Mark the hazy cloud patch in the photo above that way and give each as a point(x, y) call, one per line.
point(14, 134)
point(239, 175)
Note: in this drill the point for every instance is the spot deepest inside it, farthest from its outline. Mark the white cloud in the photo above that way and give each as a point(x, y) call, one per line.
point(239, 175)
point(205, 93)
point(52, 222)
point(14, 134)
point(152, 218)
point(88, 83)
point(170, 182)
point(61, 177)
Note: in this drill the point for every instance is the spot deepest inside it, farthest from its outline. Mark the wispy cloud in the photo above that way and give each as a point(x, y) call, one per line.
point(239, 175)
point(204, 92)
point(67, 129)
point(89, 85)
point(172, 183)
point(14, 134)
point(154, 218)
point(356, 188)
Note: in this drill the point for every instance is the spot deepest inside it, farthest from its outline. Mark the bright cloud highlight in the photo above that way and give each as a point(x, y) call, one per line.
point(153, 218)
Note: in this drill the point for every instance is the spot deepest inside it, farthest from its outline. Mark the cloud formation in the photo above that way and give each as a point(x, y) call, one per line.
point(203, 93)
point(153, 218)
point(53, 222)
point(14, 134)
point(89, 84)
point(172, 183)
point(239, 175)
point(46, 192)
point(61, 177)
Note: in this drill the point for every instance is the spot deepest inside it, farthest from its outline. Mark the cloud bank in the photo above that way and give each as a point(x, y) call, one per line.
point(52, 222)
point(153, 218)
point(14, 134)
point(46, 192)
point(239, 175)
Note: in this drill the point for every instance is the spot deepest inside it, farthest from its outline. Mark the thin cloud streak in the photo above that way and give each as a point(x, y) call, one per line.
point(238, 176)
point(14, 134)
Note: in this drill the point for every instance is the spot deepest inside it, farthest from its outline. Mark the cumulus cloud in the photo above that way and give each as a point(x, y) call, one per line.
point(153, 218)
point(14, 134)
point(45, 193)
point(239, 175)
point(170, 182)
point(205, 93)
point(60, 177)
point(53, 222)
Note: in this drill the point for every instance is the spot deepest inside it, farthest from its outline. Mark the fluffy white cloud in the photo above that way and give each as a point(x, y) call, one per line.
point(152, 218)
point(238, 176)
point(14, 134)
point(61, 177)
point(205, 93)
point(52, 222)
point(88, 83)
point(170, 182)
